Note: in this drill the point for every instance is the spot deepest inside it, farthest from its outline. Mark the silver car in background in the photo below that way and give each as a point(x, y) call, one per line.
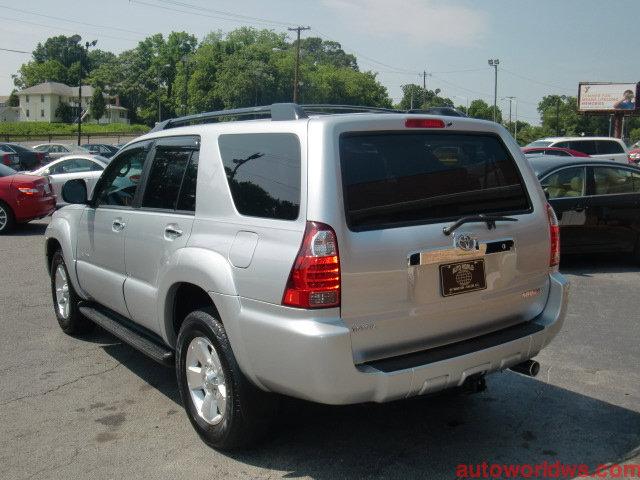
point(71, 167)
point(59, 150)
point(338, 258)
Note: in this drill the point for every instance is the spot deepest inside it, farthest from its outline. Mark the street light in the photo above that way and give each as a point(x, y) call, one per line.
point(85, 52)
point(561, 98)
point(494, 63)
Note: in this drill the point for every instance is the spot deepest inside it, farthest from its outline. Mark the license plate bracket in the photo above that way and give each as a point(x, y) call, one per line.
point(462, 277)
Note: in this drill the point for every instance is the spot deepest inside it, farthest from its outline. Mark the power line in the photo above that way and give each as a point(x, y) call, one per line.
point(11, 50)
point(557, 87)
point(203, 14)
point(225, 13)
point(66, 29)
point(71, 21)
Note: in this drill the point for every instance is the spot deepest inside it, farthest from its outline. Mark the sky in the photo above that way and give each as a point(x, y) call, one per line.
point(544, 46)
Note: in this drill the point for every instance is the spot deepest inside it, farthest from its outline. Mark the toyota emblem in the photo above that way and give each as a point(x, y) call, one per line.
point(465, 242)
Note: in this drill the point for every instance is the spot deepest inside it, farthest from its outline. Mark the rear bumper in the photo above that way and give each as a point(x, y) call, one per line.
point(312, 359)
point(28, 208)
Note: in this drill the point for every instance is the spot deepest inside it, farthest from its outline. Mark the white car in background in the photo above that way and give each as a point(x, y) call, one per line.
point(59, 150)
point(86, 167)
point(600, 148)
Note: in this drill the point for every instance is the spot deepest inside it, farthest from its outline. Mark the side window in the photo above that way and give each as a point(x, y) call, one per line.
point(263, 173)
point(584, 146)
point(96, 167)
point(559, 153)
point(611, 180)
point(119, 182)
point(606, 147)
point(166, 174)
point(561, 145)
point(567, 182)
point(78, 165)
point(187, 199)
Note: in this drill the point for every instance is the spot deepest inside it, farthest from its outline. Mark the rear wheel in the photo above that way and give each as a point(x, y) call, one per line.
point(65, 299)
point(7, 220)
point(226, 410)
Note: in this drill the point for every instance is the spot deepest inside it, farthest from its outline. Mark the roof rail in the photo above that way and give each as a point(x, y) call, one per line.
point(277, 112)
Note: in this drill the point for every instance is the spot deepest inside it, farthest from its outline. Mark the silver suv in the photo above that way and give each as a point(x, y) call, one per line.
point(336, 257)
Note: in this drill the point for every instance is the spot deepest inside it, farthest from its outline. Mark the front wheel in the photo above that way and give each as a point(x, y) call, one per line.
point(65, 299)
point(226, 410)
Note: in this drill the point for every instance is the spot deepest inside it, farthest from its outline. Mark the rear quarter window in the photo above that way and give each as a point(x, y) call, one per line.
point(263, 173)
point(392, 179)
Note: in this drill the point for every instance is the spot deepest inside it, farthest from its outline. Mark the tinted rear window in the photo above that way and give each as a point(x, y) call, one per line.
point(395, 179)
point(263, 172)
point(606, 147)
point(584, 146)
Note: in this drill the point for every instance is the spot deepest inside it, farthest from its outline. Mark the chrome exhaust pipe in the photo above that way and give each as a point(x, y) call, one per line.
point(530, 368)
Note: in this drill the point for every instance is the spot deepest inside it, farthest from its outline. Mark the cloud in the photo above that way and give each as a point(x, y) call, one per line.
point(419, 21)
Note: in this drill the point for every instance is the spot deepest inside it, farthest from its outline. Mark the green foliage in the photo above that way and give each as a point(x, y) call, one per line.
point(481, 109)
point(560, 116)
point(64, 112)
point(634, 135)
point(44, 128)
point(414, 96)
point(98, 105)
point(14, 100)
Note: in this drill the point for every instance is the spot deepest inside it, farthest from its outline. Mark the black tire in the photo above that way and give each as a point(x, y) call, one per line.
point(5, 210)
point(249, 410)
point(75, 323)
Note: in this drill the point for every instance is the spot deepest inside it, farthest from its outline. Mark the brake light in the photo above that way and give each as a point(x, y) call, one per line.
point(424, 123)
point(314, 281)
point(28, 188)
point(554, 233)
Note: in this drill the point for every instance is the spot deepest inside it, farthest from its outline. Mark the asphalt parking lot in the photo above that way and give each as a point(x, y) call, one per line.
point(94, 408)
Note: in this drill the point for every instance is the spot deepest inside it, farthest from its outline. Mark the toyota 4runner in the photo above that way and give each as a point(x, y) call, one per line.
point(325, 253)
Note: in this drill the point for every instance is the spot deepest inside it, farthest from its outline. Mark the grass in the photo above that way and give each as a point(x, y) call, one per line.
point(44, 128)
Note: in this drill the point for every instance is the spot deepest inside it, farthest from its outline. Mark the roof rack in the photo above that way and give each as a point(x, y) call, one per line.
point(277, 112)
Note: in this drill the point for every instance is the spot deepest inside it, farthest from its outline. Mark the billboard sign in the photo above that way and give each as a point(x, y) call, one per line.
point(608, 97)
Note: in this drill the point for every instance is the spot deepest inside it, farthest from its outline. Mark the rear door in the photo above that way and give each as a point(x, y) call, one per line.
point(611, 150)
point(406, 285)
point(160, 224)
point(614, 208)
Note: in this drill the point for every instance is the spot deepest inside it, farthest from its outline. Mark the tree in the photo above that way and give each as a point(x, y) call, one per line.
point(64, 112)
point(98, 105)
point(326, 52)
point(481, 109)
point(14, 100)
point(414, 96)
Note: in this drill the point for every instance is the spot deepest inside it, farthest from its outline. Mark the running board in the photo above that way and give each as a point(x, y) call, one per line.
point(123, 328)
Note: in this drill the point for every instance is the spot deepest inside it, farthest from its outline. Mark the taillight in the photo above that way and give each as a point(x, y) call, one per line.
point(554, 233)
point(28, 189)
point(314, 281)
point(6, 159)
point(424, 123)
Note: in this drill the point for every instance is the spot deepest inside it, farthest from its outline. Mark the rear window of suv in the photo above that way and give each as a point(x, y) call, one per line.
point(393, 179)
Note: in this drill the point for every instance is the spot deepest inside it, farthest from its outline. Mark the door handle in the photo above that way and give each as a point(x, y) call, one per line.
point(172, 231)
point(118, 225)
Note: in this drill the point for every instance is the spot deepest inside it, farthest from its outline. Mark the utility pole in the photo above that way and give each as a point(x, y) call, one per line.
point(561, 98)
point(160, 92)
point(510, 100)
point(424, 76)
point(494, 63)
point(515, 127)
point(84, 53)
point(185, 93)
point(296, 80)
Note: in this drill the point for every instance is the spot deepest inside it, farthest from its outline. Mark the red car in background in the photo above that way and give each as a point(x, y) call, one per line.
point(556, 151)
point(634, 156)
point(23, 198)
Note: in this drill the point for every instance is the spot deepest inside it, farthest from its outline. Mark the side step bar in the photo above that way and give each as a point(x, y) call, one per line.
point(128, 333)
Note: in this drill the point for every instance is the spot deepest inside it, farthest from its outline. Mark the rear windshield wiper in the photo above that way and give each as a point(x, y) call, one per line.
point(490, 220)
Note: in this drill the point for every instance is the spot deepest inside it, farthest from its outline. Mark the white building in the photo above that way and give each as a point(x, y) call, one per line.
point(39, 104)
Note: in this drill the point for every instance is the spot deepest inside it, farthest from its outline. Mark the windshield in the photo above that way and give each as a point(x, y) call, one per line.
point(395, 179)
point(6, 171)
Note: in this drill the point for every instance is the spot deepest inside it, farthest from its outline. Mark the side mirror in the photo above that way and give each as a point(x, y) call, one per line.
point(75, 191)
